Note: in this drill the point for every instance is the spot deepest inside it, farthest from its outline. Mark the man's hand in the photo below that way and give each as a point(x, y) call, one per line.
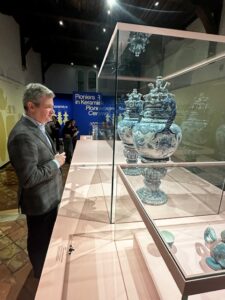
point(60, 158)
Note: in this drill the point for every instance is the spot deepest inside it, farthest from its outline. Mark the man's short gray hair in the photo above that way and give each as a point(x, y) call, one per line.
point(34, 91)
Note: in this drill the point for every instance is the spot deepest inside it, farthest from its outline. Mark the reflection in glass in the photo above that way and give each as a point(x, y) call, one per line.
point(134, 106)
point(137, 42)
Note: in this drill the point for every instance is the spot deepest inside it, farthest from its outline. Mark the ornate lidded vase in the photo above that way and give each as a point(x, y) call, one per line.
point(134, 106)
point(156, 138)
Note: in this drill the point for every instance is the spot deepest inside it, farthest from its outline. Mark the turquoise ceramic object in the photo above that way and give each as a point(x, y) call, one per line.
point(217, 259)
point(210, 235)
point(213, 264)
point(151, 193)
point(168, 237)
point(218, 253)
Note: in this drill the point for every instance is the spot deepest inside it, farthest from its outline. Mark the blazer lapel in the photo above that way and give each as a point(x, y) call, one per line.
point(37, 132)
point(52, 143)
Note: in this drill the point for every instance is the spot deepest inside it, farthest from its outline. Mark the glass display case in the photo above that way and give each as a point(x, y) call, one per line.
point(192, 63)
point(185, 229)
point(167, 151)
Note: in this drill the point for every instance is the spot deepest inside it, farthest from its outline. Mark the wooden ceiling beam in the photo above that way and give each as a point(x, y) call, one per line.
point(209, 12)
point(207, 19)
point(55, 16)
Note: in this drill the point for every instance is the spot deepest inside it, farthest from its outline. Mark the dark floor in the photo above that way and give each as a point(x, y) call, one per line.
point(16, 276)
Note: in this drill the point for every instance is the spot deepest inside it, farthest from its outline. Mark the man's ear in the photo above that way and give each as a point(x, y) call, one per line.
point(30, 106)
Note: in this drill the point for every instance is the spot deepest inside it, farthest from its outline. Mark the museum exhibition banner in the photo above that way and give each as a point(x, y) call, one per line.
point(89, 109)
point(63, 109)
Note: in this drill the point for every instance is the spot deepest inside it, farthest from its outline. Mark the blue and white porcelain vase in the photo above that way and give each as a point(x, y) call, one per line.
point(134, 106)
point(156, 138)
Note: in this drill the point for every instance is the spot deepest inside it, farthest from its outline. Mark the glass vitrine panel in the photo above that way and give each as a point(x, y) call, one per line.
point(185, 229)
point(147, 65)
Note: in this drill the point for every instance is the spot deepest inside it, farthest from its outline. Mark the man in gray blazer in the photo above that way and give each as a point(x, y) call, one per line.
point(37, 165)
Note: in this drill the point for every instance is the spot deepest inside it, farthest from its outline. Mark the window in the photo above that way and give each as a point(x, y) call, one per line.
point(80, 81)
point(91, 80)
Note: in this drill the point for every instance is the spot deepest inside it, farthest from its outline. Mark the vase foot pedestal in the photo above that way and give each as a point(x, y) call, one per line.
point(152, 197)
point(132, 171)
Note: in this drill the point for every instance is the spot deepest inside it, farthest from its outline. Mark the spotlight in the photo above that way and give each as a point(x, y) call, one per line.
point(111, 2)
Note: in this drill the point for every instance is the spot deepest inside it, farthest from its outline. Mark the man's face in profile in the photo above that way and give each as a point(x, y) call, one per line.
point(42, 113)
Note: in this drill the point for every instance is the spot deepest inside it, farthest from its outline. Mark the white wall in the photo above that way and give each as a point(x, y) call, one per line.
point(33, 71)
point(60, 78)
point(63, 78)
point(10, 58)
point(10, 54)
point(13, 79)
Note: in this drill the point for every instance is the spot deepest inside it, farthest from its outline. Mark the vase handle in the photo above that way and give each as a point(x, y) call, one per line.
point(169, 104)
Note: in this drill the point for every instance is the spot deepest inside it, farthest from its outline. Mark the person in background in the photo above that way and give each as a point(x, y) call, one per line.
point(75, 133)
point(38, 168)
point(67, 133)
point(53, 128)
